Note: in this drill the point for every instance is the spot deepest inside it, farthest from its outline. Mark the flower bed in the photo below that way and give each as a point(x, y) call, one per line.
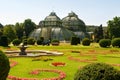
point(58, 64)
point(13, 63)
point(61, 76)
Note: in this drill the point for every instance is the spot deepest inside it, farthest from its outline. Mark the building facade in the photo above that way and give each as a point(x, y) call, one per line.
point(52, 27)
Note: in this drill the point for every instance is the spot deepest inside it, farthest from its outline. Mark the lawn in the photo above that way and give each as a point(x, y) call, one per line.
point(74, 57)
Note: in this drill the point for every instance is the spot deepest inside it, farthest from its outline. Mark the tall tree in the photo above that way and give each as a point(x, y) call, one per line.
point(114, 27)
point(19, 30)
point(98, 33)
point(1, 29)
point(9, 31)
point(28, 26)
point(1, 26)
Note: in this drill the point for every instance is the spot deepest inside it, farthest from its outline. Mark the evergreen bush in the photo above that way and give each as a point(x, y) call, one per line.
point(86, 42)
point(105, 43)
point(116, 42)
point(16, 42)
point(39, 42)
point(4, 66)
point(31, 41)
point(4, 41)
point(97, 71)
point(75, 40)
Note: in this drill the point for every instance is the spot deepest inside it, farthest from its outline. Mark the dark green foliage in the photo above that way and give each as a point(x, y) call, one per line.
point(98, 33)
point(114, 27)
point(105, 42)
point(31, 41)
point(28, 26)
point(39, 42)
point(1, 26)
point(16, 42)
point(24, 41)
point(19, 30)
point(55, 40)
point(4, 41)
point(86, 42)
point(116, 42)
point(97, 71)
point(75, 41)
point(9, 31)
point(4, 66)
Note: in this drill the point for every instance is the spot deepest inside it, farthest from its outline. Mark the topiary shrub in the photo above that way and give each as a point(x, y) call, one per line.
point(86, 42)
point(116, 42)
point(4, 66)
point(16, 42)
point(4, 41)
point(105, 43)
point(75, 41)
point(97, 71)
point(31, 41)
point(39, 42)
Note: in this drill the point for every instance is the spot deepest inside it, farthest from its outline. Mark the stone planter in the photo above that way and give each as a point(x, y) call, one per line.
point(55, 43)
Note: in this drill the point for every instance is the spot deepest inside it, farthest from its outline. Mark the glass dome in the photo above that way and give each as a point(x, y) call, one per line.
point(52, 33)
point(73, 23)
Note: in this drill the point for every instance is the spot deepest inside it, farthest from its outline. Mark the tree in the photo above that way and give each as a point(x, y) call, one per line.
point(1, 29)
point(19, 30)
point(28, 26)
point(98, 32)
point(4, 41)
point(9, 31)
point(114, 27)
point(1, 26)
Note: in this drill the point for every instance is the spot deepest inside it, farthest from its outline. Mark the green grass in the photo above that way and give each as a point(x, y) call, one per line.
point(25, 64)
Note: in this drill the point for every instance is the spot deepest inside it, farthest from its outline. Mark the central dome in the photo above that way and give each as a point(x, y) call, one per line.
point(73, 23)
point(52, 17)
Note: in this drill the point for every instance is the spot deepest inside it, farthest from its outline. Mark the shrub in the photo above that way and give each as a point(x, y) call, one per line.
point(16, 42)
point(39, 42)
point(75, 41)
point(97, 71)
point(31, 41)
point(86, 42)
point(116, 42)
point(4, 41)
point(105, 42)
point(55, 42)
point(4, 66)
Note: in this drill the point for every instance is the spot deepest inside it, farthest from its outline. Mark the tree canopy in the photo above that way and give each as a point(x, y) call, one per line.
point(19, 30)
point(28, 26)
point(114, 27)
point(9, 32)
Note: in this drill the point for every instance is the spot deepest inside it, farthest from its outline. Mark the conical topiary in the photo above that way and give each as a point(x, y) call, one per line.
point(4, 66)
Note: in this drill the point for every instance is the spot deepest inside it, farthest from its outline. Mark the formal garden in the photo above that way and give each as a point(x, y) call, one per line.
point(63, 67)
point(94, 57)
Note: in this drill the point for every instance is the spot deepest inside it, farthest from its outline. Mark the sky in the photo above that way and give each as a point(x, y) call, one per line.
point(92, 12)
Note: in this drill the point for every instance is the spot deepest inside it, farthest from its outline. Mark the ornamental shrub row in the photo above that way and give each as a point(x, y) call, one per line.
point(107, 42)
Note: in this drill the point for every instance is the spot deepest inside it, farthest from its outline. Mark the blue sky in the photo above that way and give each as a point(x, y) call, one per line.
point(92, 12)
